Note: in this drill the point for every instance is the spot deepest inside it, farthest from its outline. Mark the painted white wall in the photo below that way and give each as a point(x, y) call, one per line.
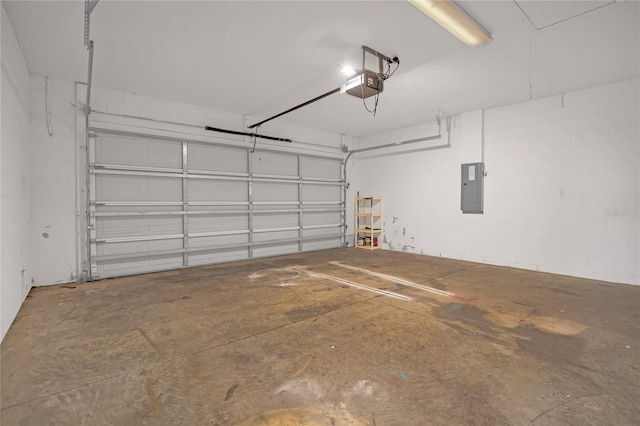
point(16, 271)
point(53, 182)
point(561, 194)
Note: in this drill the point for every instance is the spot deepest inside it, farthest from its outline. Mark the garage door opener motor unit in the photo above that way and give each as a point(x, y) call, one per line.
point(368, 83)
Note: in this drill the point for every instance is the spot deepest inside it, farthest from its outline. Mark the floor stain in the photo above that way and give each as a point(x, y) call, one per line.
point(548, 324)
point(230, 392)
point(308, 416)
point(550, 345)
point(463, 312)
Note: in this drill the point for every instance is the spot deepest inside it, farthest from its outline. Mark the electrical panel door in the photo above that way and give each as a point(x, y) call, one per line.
point(472, 189)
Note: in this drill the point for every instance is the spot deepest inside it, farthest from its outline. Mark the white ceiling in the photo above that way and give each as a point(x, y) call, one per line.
point(261, 58)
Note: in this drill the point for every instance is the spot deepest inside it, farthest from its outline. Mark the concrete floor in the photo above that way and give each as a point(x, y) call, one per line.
point(293, 340)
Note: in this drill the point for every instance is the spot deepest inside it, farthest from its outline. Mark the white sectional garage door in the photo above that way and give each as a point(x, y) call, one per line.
point(160, 203)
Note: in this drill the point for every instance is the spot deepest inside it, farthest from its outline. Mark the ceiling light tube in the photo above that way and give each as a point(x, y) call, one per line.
point(455, 20)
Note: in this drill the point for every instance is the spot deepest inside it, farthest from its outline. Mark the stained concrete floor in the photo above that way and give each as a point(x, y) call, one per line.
point(303, 339)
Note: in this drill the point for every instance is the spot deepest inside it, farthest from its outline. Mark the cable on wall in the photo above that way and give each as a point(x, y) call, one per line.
point(46, 106)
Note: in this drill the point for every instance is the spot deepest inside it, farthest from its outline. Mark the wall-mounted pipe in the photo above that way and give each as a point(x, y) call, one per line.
point(390, 145)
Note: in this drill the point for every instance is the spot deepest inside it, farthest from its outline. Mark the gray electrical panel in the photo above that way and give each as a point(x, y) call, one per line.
point(472, 189)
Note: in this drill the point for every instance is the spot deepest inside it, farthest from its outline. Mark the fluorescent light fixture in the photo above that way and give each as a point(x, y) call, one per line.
point(455, 20)
point(348, 70)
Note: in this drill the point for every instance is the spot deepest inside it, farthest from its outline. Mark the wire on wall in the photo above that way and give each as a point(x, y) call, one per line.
point(46, 106)
point(530, 53)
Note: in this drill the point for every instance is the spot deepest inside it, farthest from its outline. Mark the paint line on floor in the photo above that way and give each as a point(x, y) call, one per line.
point(396, 280)
point(359, 286)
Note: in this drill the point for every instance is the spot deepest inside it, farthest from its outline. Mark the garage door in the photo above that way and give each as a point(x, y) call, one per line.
point(160, 203)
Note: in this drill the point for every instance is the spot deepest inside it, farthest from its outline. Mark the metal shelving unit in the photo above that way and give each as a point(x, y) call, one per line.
point(368, 226)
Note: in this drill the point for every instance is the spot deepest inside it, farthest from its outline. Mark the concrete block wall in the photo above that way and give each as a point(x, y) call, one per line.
point(561, 191)
point(53, 174)
point(15, 166)
point(570, 164)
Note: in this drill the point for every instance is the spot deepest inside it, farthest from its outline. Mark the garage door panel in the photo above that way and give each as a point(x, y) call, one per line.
point(124, 258)
point(241, 208)
point(114, 227)
point(138, 152)
point(262, 221)
point(276, 250)
point(212, 190)
point(320, 168)
point(278, 192)
point(162, 207)
point(321, 218)
point(117, 188)
point(137, 247)
point(322, 244)
point(274, 164)
point(137, 188)
point(218, 223)
point(135, 266)
point(321, 232)
point(218, 241)
point(218, 256)
point(212, 158)
point(317, 193)
point(287, 207)
point(264, 237)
